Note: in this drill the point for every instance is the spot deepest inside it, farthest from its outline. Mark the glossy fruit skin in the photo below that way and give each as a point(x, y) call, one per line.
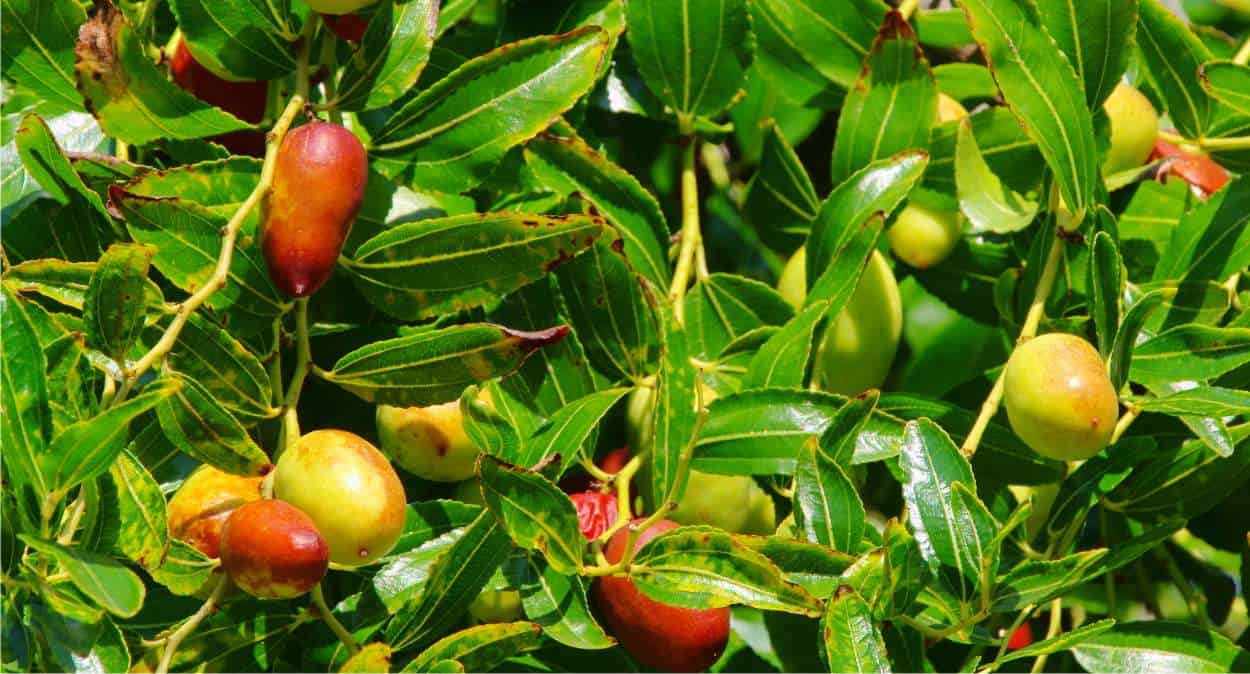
point(1200, 171)
point(1023, 636)
point(660, 636)
point(349, 490)
point(246, 100)
point(202, 504)
point(722, 501)
point(349, 27)
point(596, 512)
point(272, 550)
point(1134, 127)
point(1059, 398)
point(428, 442)
point(318, 183)
point(922, 236)
point(496, 606)
point(338, 6)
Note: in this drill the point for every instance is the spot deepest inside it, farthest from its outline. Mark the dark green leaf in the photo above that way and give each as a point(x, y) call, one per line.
point(43, 157)
point(1062, 642)
point(38, 49)
point(811, 46)
point(569, 428)
point(393, 53)
point(1097, 37)
point(723, 307)
point(1160, 646)
point(1126, 336)
point(1172, 54)
point(1229, 82)
point(1035, 581)
point(1185, 482)
point(1207, 401)
point(853, 641)
point(113, 309)
point(27, 419)
point(481, 648)
point(826, 505)
point(489, 430)
point(114, 587)
point(1212, 241)
point(435, 366)
point(140, 531)
point(244, 39)
point(1106, 286)
point(228, 371)
point(1190, 352)
point(782, 360)
point(780, 200)
point(80, 646)
point(66, 282)
point(815, 568)
point(557, 601)
point(198, 424)
point(534, 512)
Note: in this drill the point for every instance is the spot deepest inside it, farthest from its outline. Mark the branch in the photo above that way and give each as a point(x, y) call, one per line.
point(690, 231)
point(210, 604)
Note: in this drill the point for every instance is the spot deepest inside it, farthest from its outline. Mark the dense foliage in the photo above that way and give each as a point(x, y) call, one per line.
point(607, 335)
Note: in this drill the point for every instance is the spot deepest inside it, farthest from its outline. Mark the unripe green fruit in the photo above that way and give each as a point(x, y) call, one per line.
point(428, 442)
point(1134, 127)
point(860, 343)
point(1043, 498)
point(761, 513)
point(349, 490)
point(922, 237)
point(272, 550)
point(722, 501)
point(338, 6)
point(1059, 398)
point(496, 606)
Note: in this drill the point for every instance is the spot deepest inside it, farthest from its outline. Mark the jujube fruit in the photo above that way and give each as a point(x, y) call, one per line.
point(723, 501)
point(1022, 637)
point(202, 504)
point(596, 512)
point(922, 236)
point(338, 6)
point(1059, 398)
point(861, 341)
point(496, 606)
point(1200, 171)
point(428, 442)
point(272, 550)
point(1134, 127)
point(660, 636)
point(349, 490)
point(246, 100)
point(349, 27)
point(318, 183)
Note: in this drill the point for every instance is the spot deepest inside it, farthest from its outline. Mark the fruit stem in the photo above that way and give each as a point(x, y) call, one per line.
point(594, 471)
point(621, 482)
point(690, 232)
point(1029, 330)
point(1229, 143)
point(1125, 421)
point(301, 58)
point(319, 601)
point(221, 272)
point(303, 358)
point(1242, 57)
point(1056, 622)
point(210, 604)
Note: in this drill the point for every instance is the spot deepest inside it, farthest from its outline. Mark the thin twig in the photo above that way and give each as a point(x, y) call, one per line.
point(175, 639)
point(690, 229)
point(319, 600)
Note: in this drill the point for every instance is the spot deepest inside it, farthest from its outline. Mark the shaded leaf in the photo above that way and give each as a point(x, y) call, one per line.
point(244, 39)
point(557, 601)
point(196, 423)
point(534, 512)
point(393, 53)
point(113, 309)
point(114, 587)
point(1160, 646)
point(989, 205)
point(481, 648)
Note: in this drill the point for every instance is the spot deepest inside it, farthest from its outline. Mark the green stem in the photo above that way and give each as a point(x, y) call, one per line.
point(1195, 603)
point(1109, 577)
point(1121, 426)
point(690, 229)
point(303, 358)
point(319, 601)
point(175, 639)
point(1022, 618)
point(1056, 623)
point(1242, 57)
point(301, 58)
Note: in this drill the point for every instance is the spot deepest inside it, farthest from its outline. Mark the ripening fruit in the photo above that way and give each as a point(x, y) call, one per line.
point(1134, 127)
point(272, 550)
point(338, 6)
point(201, 505)
point(349, 489)
point(923, 236)
point(596, 512)
point(350, 27)
point(245, 100)
point(761, 513)
point(428, 442)
point(663, 637)
point(1200, 171)
point(1059, 398)
point(1022, 637)
point(860, 342)
point(318, 184)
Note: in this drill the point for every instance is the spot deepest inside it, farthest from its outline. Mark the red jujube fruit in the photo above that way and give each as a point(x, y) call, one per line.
point(272, 550)
point(1200, 171)
point(245, 100)
point(350, 27)
point(663, 637)
point(596, 512)
point(318, 184)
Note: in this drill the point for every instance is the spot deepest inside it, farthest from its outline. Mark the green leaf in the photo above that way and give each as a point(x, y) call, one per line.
point(481, 648)
point(1160, 646)
point(43, 157)
point(557, 601)
point(1126, 336)
point(430, 267)
point(780, 201)
point(878, 187)
point(38, 50)
point(702, 567)
point(24, 405)
point(1190, 352)
point(1106, 285)
point(892, 106)
point(812, 47)
point(568, 430)
point(853, 643)
point(534, 512)
point(611, 312)
point(66, 282)
point(1097, 37)
point(961, 81)
point(114, 587)
point(226, 369)
point(1085, 487)
point(1172, 55)
point(89, 447)
point(129, 96)
point(198, 424)
point(826, 505)
point(185, 570)
point(435, 366)
point(450, 137)
point(989, 205)
point(404, 575)
point(674, 418)
point(693, 54)
point(723, 307)
point(1229, 82)
point(74, 131)
point(1185, 482)
point(815, 568)
point(428, 520)
point(454, 580)
point(1043, 91)
point(1207, 401)
point(782, 360)
point(570, 165)
point(79, 646)
point(141, 530)
point(113, 309)
point(243, 39)
point(1005, 147)
point(1062, 642)
point(905, 572)
point(1036, 581)
point(1212, 242)
point(488, 429)
point(374, 657)
point(392, 54)
point(952, 527)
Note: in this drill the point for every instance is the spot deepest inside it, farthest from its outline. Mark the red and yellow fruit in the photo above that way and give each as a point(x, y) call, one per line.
point(272, 550)
point(1059, 398)
point(1200, 171)
point(660, 636)
point(246, 100)
point(349, 490)
point(428, 442)
point(202, 504)
point(318, 183)
point(596, 512)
